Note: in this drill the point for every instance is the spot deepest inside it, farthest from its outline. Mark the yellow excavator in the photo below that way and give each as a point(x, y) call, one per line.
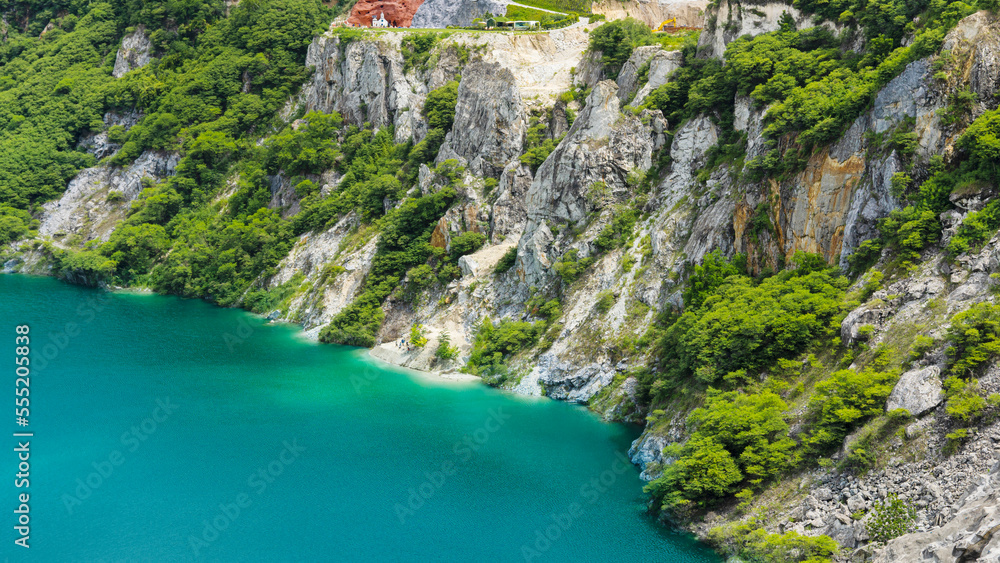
point(667, 25)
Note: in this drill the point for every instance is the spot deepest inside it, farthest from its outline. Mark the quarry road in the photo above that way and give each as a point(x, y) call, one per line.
point(537, 8)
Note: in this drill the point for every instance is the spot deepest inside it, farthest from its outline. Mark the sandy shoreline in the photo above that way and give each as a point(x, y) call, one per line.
point(418, 359)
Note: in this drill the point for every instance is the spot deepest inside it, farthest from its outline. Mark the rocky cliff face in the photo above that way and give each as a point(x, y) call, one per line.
point(330, 268)
point(733, 19)
point(832, 206)
point(689, 13)
point(603, 165)
point(440, 14)
point(364, 81)
point(135, 52)
point(100, 197)
point(587, 172)
point(490, 121)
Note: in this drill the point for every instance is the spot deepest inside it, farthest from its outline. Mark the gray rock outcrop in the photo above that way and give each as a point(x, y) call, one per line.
point(135, 52)
point(509, 214)
point(628, 77)
point(661, 65)
point(334, 278)
point(646, 451)
point(490, 121)
point(364, 81)
point(442, 13)
point(601, 148)
point(918, 391)
point(88, 210)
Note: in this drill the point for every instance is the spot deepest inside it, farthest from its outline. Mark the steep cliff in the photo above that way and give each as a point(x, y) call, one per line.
point(440, 14)
point(490, 121)
point(134, 53)
point(364, 81)
point(689, 13)
point(597, 155)
point(568, 228)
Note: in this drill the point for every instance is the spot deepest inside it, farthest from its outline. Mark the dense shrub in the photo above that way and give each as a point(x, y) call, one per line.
point(616, 40)
point(466, 243)
point(605, 300)
point(571, 266)
point(507, 261)
point(537, 144)
point(748, 326)
point(52, 91)
point(843, 402)
point(746, 539)
point(618, 232)
point(214, 256)
point(310, 147)
point(890, 519)
point(974, 340)
point(371, 174)
point(439, 108)
point(495, 343)
point(445, 350)
point(737, 439)
point(416, 49)
point(84, 266)
point(974, 337)
point(267, 300)
point(14, 224)
point(706, 278)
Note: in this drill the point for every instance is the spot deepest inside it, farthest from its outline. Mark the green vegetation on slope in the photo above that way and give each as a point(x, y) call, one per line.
point(564, 6)
point(56, 88)
point(213, 95)
point(52, 90)
point(743, 327)
point(907, 232)
point(814, 88)
point(742, 352)
point(617, 39)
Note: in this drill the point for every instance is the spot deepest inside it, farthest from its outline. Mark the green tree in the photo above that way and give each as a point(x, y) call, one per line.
point(439, 107)
point(735, 437)
point(615, 41)
point(890, 519)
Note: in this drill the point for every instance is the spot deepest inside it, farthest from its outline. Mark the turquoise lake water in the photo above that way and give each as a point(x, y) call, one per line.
point(171, 430)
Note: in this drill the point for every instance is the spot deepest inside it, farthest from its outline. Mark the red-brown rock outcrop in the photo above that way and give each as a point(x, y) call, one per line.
point(399, 13)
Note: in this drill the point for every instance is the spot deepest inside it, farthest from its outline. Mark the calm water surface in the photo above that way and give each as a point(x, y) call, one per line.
point(171, 430)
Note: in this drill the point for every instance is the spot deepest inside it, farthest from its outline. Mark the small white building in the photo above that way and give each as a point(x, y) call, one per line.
point(380, 21)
